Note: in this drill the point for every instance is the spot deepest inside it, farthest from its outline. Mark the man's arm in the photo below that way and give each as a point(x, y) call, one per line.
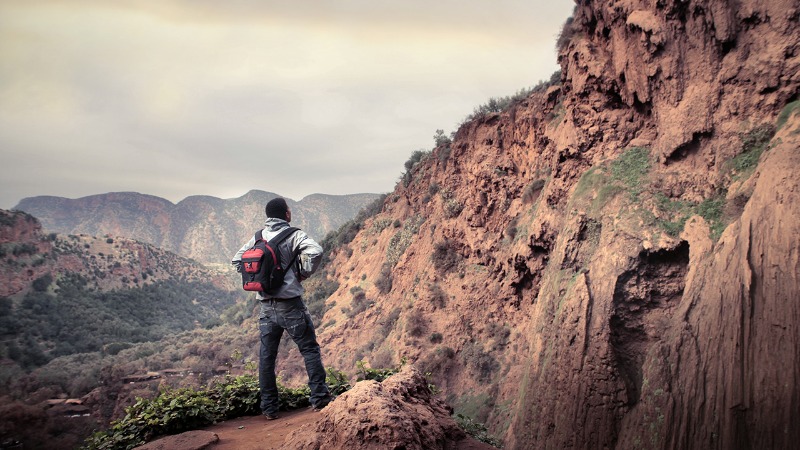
point(237, 258)
point(310, 254)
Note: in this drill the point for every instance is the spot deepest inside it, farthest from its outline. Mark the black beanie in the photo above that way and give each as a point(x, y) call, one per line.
point(277, 208)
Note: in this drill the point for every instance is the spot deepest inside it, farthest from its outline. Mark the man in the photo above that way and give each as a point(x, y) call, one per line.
point(284, 310)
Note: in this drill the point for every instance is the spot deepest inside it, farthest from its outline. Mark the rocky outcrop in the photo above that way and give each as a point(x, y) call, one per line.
point(24, 251)
point(400, 412)
point(204, 228)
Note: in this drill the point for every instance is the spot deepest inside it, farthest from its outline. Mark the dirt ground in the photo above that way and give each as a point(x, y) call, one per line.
point(257, 433)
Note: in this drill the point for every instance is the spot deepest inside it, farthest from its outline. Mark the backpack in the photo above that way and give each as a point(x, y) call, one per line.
point(261, 264)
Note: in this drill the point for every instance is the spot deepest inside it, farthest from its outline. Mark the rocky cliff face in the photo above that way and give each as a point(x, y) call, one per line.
point(612, 262)
point(204, 228)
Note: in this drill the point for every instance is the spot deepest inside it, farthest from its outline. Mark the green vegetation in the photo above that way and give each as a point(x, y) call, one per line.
point(631, 169)
point(415, 323)
point(368, 373)
point(754, 143)
point(482, 363)
point(177, 410)
point(438, 297)
point(710, 209)
point(444, 257)
point(417, 156)
point(337, 381)
point(440, 139)
point(565, 35)
point(477, 430)
point(384, 280)
point(788, 110)
point(499, 104)
point(67, 316)
point(359, 304)
point(452, 207)
point(402, 239)
point(347, 232)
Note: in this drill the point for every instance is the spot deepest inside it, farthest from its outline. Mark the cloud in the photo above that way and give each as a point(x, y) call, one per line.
point(179, 97)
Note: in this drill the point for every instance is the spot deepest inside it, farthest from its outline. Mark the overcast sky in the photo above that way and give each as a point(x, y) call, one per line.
point(182, 97)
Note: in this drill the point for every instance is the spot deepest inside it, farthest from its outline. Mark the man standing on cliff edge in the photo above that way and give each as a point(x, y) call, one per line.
point(284, 310)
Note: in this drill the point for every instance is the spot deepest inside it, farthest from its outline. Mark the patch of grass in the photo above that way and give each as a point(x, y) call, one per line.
point(631, 169)
point(754, 142)
point(673, 214)
point(712, 210)
point(787, 112)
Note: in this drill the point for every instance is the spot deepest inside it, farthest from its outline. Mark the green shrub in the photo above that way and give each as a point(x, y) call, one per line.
point(337, 381)
point(402, 239)
point(348, 231)
point(416, 157)
point(441, 139)
point(359, 304)
point(384, 280)
point(476, 430)
point(170, 412)
point(42, 283)
point(415, 323)
point(368, 373)
point(438, 297)
point(678, 211)
point(175, 411)
point(481, 362)
point(444, 256)
point(565, 35)
point(389, 321)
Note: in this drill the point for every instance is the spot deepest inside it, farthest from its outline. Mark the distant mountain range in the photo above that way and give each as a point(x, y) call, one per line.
point(205, 228)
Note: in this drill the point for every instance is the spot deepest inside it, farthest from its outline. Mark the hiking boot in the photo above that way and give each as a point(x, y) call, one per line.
point(322, 403)
point(270, 416)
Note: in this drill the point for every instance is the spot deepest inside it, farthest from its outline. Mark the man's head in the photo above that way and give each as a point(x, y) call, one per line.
point(277, 208)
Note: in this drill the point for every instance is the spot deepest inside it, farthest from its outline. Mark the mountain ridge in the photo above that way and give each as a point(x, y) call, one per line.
point(202, 227)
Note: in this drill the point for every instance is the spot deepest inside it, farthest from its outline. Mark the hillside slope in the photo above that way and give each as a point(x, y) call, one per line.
point(612, 262)
point(204, 228)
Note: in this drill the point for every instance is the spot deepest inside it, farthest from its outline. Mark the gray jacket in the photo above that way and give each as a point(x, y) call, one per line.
point(309, 255)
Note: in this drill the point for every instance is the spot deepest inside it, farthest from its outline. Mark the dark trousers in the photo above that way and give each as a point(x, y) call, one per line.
point(290, 315)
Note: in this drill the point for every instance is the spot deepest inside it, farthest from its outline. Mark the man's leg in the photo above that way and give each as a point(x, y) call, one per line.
point(309, 348)
point(270, 339)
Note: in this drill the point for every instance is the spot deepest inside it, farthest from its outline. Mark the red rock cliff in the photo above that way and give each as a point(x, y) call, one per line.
point(612, 262)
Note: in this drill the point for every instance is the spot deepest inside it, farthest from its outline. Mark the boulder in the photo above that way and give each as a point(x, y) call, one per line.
point(400, 412)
